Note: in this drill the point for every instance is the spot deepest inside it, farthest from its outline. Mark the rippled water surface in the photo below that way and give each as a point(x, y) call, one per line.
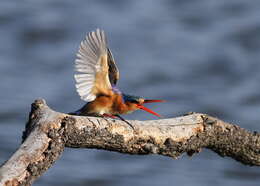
point(201, 56)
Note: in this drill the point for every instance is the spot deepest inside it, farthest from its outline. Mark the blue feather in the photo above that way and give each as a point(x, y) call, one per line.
point(131, 98)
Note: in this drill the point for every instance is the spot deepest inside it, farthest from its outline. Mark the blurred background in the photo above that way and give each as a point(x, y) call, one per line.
point(200, 56)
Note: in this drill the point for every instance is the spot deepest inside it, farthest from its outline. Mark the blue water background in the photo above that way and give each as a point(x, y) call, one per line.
point(200, 55)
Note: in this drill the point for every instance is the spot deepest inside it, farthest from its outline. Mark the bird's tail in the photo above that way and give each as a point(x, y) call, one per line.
point(75, 113)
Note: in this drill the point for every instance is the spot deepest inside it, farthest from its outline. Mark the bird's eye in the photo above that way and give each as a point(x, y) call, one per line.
point(134, 101)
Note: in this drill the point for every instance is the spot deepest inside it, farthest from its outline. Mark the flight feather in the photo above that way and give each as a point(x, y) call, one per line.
point(91, 66)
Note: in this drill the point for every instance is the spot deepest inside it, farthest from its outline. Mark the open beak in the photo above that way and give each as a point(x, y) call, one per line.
point(153, 100)
point(148, 110)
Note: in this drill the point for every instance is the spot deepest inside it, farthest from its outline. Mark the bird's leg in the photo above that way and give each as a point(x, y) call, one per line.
point(117, 115)
point(109, 115)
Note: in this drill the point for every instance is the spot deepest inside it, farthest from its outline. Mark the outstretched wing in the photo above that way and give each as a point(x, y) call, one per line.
point(113, 70)
point(92, 67)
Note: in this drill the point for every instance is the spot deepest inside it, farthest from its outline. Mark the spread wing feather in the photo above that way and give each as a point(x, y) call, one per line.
point(113, 70)
point(91, 66)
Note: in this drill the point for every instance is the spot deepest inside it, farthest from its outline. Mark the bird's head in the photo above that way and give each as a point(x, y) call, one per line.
point(137, 103)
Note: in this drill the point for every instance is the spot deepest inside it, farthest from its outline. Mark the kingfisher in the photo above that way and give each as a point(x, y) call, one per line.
point(96, 78)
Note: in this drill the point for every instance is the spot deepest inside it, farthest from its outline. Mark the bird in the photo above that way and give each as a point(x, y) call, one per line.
point(96, 76)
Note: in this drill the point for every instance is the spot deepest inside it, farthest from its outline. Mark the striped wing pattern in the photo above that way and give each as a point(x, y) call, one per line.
point(91, 66)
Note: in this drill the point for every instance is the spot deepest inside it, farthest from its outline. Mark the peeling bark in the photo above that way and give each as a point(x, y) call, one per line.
point(47, 133)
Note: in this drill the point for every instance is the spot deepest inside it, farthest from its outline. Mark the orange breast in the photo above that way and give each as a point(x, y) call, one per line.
point(112, 104)
point(101, 105)
point(122, 107)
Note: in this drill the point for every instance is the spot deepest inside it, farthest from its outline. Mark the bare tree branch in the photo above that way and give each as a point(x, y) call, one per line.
point(48, 132)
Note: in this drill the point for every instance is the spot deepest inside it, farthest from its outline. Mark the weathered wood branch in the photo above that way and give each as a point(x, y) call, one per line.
point(48, 132)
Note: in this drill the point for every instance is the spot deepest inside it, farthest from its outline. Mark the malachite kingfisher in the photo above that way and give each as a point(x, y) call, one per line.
point(96, 78)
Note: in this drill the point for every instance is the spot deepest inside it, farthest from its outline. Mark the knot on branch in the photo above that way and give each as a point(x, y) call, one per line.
point(38, 103)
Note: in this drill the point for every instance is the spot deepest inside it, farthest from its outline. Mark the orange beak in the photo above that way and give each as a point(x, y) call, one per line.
point(148, 110)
